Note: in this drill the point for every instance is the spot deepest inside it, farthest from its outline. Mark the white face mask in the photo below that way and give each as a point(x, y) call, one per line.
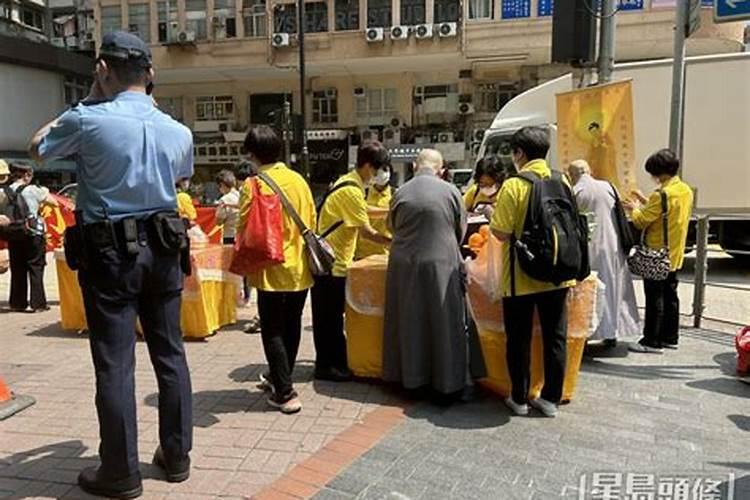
point(381, 178)
point(488, 191)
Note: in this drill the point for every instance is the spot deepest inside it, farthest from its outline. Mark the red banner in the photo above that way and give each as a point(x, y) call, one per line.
point(207, 221)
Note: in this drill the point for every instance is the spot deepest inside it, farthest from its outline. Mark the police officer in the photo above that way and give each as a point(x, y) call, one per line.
point(127, 248)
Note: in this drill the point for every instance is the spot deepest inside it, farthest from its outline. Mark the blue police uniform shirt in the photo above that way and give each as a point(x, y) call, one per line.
point(129, 156)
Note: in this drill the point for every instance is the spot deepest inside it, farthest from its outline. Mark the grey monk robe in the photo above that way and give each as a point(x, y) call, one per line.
point(424, 339)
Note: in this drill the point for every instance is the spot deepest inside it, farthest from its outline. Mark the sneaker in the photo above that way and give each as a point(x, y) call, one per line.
point(289, 406)
point(519, 409)
point(635, 347)
point(547, 408)
point(264, 382)
point(252, 326)
point(177, 470)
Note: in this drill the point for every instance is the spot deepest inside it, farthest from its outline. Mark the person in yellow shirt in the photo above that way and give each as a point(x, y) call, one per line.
point(343, 218)
point(282, 288)
point(378, 197)
point(661, 325)
point(185, 206)
point(488, 178)
point(529, 147)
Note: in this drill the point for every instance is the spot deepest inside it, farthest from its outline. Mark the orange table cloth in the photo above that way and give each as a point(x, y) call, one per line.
point(209, 297)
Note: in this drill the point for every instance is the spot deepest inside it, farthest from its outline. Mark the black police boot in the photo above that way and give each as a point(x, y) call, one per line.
point(92, 481)
point(178, 470)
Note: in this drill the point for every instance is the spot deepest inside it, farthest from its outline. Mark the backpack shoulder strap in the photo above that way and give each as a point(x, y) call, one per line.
point(335, 188)
point(529, 177)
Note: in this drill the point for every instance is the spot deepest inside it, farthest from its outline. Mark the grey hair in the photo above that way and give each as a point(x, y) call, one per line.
point(577, 168)
point(429, 159)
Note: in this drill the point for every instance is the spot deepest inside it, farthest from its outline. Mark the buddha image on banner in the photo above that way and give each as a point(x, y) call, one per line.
point(596, 124)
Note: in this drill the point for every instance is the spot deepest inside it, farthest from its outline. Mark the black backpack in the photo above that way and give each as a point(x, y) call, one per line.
point(626, 232)
point(17, 211)
point(553, 246)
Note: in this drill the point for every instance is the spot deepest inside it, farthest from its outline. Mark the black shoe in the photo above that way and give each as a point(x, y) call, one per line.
point(178, 470)
point(252, 326)
point(333, 374)
point(91, 481)
point(609, 343)
point(40, 309)
point(667, 345)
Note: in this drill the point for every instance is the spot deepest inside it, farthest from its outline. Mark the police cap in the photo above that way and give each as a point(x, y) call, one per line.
point(125, 47)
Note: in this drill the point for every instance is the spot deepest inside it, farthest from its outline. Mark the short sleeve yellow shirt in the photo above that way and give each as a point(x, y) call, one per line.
point(508, 218)
point(185, 207)
point(293, 275)
point(474, 196)
point(348, 205)
point(377, 199)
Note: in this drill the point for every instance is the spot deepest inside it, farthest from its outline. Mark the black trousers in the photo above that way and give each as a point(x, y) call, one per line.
point(281, 329)
point(553, 315)
point(116, 290)
point(328, 300)
point(27, 262)
point(662, 322)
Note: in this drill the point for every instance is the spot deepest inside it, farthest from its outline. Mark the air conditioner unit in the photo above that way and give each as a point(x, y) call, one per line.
point(280, 40)
point(445, 137)
point(477, 135)
point(423, 31)
point(89, 36)
point(446, 30)
point(71, 42)
point(368, 135)
point(396, 122)
point(330, 93)
point(375, 35)
point(466, 108)
point(399, 33)
point(174, 26)
point(391, 136)
point(58, 41)
point(360, 92)
point(86, 45)
point(186, 37)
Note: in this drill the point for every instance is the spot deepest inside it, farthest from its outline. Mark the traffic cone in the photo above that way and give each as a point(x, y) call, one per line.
point(11, 403)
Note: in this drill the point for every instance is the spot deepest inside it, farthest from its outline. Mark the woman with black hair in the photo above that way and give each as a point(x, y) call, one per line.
point(489, 175)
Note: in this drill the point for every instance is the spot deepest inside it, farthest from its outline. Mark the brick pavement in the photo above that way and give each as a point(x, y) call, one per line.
point(678, 413)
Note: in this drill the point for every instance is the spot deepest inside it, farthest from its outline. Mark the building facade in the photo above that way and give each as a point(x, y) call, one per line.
point(404, 71)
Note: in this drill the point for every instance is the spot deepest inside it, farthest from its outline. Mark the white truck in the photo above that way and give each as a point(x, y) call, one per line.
point(716, 131)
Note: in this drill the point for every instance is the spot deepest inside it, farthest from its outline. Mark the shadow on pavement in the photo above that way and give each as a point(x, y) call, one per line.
point(601, 351)
point(722, 385)
point(303, 372)
point(54, 330)
point(727, 362)
point(208, 405)
point(642, 372)
point(741, 421)
point(486, 411)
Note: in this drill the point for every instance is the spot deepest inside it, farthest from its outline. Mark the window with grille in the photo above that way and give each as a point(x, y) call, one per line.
point(167, 17)
point(413, 12)
point(111, 19)
point(347, 15)
point(254, 15)
point(32, 18)
point(225, 15)
point(214, 108)
point(378, 13)
point(285, 18)
point(139, 22)
point(480, 9)
point(325, 106)
point(377, 104)
point(195, 18)
point(446, 11)
point(491, 97)
point(171, 106)
point(316, 17)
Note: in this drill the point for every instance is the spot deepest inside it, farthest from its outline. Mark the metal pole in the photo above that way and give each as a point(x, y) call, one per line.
point(287, 131)
point(607, 28)
point(701, 271)
point(302, 87)
point(678, 76)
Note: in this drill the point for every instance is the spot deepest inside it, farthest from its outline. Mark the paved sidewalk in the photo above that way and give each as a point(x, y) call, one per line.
point(682, 413)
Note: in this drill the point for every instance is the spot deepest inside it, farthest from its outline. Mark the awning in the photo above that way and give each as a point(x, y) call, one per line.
point(64, 19)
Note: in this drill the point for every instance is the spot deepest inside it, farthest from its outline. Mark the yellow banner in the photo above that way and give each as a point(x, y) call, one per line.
point(596, 124)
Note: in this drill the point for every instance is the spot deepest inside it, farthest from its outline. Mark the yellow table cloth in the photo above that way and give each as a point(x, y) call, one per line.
point(209, 297)
point(365, 300)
